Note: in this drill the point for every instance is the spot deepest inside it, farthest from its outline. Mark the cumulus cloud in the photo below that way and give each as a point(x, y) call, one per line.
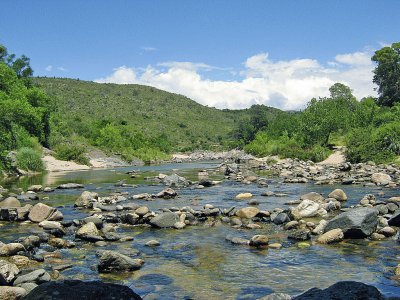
point(49, 68)
point(286, 84)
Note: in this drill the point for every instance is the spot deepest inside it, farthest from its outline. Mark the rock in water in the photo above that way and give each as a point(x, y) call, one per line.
point(307, 208)
point(76, 289)
point(11, 293)
point(247, 212)
point(338, 194)
point(381, 179)
point(41, 212)
point(38, 277)
point(10, 202)
point(8, 272)
point(111, 261)
point(164, 220)
point(331, 236)
point(355, 223)
point(343, 290)
point(86, 199)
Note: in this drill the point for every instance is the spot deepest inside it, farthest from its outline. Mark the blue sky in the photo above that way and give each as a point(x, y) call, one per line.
point(272, 52)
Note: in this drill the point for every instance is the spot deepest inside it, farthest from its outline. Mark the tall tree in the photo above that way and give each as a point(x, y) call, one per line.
point(387, 74)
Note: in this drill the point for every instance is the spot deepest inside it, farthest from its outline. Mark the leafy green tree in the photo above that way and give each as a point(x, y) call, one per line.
point(387, 74)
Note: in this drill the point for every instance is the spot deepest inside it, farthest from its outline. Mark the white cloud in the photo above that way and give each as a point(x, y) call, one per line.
point(62, 69)
point(286, 84)
point(49, 68)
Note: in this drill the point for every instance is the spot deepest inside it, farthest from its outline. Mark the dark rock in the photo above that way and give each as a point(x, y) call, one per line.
point(281, 218)
point(350, 290)
point(395, 220)
point(75, 289)
point(28, 197)
point(205, 182)
point(355, 223)
point(300, 235)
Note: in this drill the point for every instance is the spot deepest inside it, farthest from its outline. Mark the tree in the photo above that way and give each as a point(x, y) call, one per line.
point(387, 74)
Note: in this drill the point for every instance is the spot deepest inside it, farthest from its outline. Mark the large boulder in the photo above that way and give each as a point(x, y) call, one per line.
point(394, 220)
point(175, 180)
point(356, 223)
point(40, 212)
point(111, 261)
point(343, 290)
point(247, 212)
point(167, 219)
point(11, 293)
point(307, 208)
point(8, 272)
point(381, 179)
point(86, 199)
point(313, 196)
point(10, 202)
point(38, 276)
point(338, 194)
point(11, 249)
point(89, 232)
point(76, 289)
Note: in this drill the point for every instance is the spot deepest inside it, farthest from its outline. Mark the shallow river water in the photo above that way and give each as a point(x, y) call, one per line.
point(197, 262)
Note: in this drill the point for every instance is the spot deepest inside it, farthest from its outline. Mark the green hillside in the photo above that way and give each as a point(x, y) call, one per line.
point(82, 106)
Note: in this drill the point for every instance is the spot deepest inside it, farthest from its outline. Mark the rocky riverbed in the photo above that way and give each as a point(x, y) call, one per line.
point(241, 229)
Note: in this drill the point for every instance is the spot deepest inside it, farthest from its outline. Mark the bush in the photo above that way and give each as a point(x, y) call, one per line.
point(72, 150)
point(29, 159)
point(369, 144)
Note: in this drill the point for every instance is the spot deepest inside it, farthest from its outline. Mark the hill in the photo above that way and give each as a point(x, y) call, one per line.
point(187, 125)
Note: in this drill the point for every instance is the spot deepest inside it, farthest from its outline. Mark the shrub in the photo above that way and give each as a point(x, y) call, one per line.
point(72, 150)
point(29, 159)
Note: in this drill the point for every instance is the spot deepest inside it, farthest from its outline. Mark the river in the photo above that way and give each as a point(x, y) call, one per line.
point(198, 262)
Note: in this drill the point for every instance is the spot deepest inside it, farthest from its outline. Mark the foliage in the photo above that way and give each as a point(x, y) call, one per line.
point(387, 74)
point(24, 109)
point(29, 159)
point(72, 149)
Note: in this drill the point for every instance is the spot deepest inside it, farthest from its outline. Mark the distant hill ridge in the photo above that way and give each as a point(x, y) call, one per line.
point(187, 123)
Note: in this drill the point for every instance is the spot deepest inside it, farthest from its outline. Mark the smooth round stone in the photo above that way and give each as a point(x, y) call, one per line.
point(209, 206)
point(179, 225)
point(152, 243)
point(101, 244)
point(253, 226)
point(275, 246)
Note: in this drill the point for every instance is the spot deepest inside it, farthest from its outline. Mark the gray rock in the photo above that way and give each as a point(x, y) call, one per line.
point(313, 197)
point(40, 212)
point(75, 289)
point(35, 188)
point(8, 272)
point(89, 232)
point(343, 290)
point(111, 261)
point(167, 219)
point(86, 199)
point(175, 181)
point(167, 193)
point(10, 202)
point(355, 223)
point(276, 296)
point(67, 186)
point(281, 218)
point(338, 194)
point(38, 276)
point(11, 293)
point(11, 249)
